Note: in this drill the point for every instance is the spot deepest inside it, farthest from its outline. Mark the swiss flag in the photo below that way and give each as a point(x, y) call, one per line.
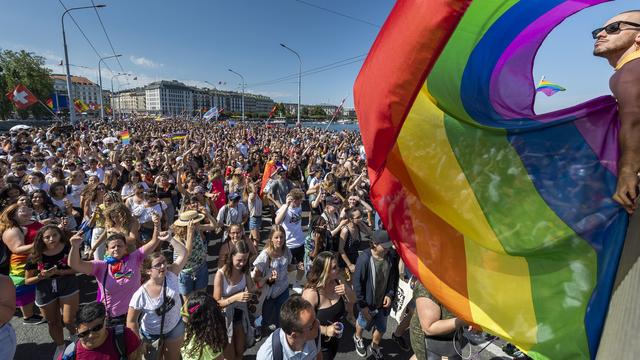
point(22, 97)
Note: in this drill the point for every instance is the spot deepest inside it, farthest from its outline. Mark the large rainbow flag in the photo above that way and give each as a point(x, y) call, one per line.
point(506, 216)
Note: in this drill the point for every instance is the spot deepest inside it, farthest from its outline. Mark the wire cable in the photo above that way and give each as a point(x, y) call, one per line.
point(330, 66)
point(107, 35)
point(83, 34)
point(339, 14)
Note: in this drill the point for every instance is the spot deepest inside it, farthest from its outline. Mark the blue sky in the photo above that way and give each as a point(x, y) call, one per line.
point(197, 41)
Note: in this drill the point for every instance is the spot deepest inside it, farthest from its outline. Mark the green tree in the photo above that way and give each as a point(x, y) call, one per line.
point(317, 112)
point(27, 69)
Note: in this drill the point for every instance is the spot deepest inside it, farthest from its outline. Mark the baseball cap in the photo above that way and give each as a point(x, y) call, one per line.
point(381, 237)
point(234, 196)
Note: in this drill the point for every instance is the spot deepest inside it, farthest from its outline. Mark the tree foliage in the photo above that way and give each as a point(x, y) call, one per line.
point(27, 69)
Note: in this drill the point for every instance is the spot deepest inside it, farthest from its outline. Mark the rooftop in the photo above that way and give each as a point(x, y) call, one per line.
point(78, 80)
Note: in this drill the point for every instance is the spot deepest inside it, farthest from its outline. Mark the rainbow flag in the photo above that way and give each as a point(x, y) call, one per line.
point(50, 103)
point(124, 136)
point(505, 215)
point(548, 88)
point(80, 106)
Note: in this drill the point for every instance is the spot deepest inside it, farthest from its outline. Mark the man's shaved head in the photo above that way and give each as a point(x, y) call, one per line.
point(617, 44)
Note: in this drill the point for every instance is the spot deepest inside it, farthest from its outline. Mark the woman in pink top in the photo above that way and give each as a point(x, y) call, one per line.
point(118, 275)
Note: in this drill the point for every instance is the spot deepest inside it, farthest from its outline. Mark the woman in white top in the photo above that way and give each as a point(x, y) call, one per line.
point(232, 289)
point(159, 296)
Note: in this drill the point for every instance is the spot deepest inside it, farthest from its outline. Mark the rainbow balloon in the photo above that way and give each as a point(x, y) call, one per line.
point(506, 216)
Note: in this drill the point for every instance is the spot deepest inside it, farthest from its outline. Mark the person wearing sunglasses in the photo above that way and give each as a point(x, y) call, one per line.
point(97, 341)
point(619, 42)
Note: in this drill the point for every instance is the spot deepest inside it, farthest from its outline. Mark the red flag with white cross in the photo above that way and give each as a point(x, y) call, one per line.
point(22, 97)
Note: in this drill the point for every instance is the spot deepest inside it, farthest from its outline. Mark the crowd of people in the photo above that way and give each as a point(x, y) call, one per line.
point(142, 217)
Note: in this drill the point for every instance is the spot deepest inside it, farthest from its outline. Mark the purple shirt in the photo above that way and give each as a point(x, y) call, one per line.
point(120, 288)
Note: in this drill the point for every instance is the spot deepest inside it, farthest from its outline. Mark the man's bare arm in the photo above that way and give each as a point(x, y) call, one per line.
point(626, 88)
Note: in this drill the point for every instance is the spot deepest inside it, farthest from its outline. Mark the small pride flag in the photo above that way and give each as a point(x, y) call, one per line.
point(548, 88)
point(124, 136)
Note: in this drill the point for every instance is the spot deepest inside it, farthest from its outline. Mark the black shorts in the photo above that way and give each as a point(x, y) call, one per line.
point(297, 255)
point(48, 290)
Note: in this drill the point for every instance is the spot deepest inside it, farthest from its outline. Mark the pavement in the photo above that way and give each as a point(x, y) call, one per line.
point(34, 341)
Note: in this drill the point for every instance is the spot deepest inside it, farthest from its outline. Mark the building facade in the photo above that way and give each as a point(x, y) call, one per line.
point(131, 101)
point(81, 88)
point(170, 98)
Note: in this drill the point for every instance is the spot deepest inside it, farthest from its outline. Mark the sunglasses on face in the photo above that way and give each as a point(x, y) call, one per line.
point(614, 28)
point(92, 330)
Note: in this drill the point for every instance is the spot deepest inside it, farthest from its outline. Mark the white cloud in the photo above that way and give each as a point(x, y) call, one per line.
point(144, 62)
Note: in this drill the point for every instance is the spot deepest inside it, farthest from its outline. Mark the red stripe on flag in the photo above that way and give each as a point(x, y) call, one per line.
point(398, 63)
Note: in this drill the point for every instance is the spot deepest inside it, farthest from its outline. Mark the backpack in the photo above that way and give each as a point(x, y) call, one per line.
point(118, 340)
point(276, 345)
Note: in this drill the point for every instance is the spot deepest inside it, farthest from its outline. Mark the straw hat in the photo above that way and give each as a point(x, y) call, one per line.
point(188, 216)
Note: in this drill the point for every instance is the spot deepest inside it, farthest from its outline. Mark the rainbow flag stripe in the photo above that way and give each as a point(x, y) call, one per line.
point(506, 216)
point(124, 136)
point(548, 88)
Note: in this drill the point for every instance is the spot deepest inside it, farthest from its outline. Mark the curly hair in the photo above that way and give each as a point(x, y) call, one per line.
point(114, 209)
point(206, 325)
point(38, 242)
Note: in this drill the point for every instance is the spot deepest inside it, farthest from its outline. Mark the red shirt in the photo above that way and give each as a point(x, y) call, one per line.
point(108, 350)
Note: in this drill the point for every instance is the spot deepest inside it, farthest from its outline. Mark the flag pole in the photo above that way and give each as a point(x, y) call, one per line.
point(335, 114)
point(49, 109)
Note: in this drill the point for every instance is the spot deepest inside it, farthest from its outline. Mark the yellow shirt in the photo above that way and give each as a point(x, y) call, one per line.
point(632, 56)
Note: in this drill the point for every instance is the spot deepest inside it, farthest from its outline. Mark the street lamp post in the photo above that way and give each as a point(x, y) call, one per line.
point(72, 113)
point(299, 76)
point(100, 81)
point(112, 93)
point(243, 85)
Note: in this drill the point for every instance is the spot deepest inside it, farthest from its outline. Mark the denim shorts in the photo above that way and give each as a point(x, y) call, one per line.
point(255, 223)
point(379, 322)
point(193, 281)
point(175, 333)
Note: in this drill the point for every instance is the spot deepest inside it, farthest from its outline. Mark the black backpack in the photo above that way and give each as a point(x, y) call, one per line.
point(118, 340)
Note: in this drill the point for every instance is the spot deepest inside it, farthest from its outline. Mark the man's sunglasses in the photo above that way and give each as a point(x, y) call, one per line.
point(92, 330)
point(614, 27)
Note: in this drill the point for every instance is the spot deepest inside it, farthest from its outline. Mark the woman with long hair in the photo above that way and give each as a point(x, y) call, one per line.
point(92, 196)
point(119, 275)
point(18, 232)
point(206, 334)
point(156, 304)
point(232, 289)
point(272, 267)
point(46, 212)
point(331, 298)
point(59, 197)
point(56, 283)
point(118, 220)
point(98, 222)
point(254, 203)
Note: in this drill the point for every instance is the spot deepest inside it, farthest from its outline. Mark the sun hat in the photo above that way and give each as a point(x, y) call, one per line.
point(188, 216)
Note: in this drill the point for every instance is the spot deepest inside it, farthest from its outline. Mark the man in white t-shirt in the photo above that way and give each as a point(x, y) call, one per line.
point(289, 216)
